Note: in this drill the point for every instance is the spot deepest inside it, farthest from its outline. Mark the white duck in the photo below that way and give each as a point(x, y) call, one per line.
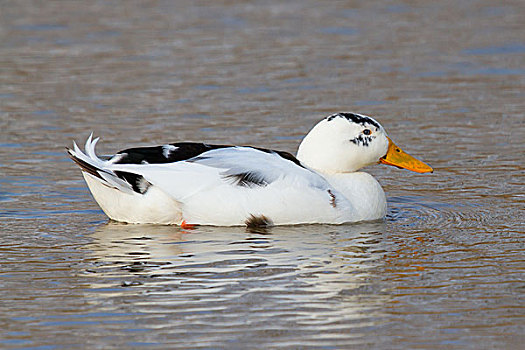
point(195, 183)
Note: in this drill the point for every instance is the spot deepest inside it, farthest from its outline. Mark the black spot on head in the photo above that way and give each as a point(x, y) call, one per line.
point(260, 221)
point(362, 140)
point(356, 118)
point(247, 179)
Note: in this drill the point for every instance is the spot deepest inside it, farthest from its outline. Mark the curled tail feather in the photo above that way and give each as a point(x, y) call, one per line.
point(91, 164)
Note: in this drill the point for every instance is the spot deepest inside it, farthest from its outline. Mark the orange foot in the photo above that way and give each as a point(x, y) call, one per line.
point(187, 226)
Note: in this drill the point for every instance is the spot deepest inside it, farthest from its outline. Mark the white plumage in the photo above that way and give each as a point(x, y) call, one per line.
point(238, 185)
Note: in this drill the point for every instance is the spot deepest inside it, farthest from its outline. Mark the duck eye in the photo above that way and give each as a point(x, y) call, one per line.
point(367, 132)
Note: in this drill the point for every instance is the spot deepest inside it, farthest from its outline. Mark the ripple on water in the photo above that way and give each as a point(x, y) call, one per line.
point(421, 212)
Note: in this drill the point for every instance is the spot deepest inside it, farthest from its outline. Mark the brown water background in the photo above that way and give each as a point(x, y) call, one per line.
point(445, 270)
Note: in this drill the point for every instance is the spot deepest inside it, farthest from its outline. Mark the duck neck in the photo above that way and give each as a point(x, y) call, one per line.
point(363, 191)
point(329, 162)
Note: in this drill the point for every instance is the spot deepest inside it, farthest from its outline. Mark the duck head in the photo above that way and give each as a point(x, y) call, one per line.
point(347, 142)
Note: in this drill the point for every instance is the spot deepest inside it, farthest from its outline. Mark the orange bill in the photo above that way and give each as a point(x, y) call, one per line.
point(396, 157)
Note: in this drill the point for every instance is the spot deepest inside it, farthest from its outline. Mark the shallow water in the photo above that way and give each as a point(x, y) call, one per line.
point(443, 270)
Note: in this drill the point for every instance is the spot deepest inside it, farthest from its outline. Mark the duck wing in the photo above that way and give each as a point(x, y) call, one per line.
point(183, 168)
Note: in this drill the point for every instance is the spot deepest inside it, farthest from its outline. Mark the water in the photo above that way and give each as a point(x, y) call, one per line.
point(443, 271)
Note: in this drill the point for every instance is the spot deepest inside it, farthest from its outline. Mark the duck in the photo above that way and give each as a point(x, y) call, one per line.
point(191, 183)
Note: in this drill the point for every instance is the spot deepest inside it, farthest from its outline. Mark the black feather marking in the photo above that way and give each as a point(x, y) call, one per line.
point(158, 154)
point(247, 179)
point(333, 199)
point(356, 118)
point(137, 182)
point(290, 157)
point(258, 221)
point(183, 151)
point(88, 168)
point(282, 154)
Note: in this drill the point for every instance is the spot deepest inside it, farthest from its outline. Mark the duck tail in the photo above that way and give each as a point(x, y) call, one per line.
point(91, 164)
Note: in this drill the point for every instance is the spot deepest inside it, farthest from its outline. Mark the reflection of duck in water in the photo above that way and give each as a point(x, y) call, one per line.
point(208, 249)
point(296, 265)
point(118, 242)
point(237, 185)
